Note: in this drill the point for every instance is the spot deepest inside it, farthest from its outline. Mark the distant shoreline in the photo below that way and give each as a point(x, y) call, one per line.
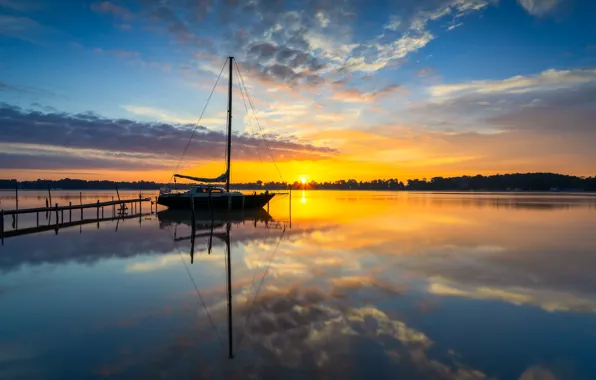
point(516, 182)
point(526, 192)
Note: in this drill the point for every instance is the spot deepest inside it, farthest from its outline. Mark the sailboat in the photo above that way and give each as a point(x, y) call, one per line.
point(205, 195)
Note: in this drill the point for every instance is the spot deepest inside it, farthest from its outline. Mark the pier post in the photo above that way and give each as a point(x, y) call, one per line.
point(62, 217)
point(70, 212)
point(97, 209)
point(102, 212)
point(16, 189)
point(37, 218)
point(81, 203)
point(140, 204)
point(113, 208)
point(57, 215)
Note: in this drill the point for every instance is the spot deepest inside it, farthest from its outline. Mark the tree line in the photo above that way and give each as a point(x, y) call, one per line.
point(499, 182)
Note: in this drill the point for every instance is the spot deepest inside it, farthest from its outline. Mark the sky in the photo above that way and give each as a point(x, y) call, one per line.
point(338, 89)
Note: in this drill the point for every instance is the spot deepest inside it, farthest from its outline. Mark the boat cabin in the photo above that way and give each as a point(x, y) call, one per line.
point(204, 189)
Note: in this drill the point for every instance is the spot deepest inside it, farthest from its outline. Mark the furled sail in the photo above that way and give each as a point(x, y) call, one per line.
point(221, 178)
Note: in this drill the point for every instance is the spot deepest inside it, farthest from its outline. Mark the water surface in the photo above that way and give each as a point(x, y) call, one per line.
point(383, 284)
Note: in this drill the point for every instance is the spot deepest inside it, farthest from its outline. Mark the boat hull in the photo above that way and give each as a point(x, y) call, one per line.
point(234, 202)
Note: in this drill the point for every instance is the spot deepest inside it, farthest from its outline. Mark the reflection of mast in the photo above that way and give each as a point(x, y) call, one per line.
point(226, 238)
point(230, 328)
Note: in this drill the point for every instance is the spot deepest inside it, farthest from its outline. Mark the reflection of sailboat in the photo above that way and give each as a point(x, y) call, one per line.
point(173, 217)
point(218, 227)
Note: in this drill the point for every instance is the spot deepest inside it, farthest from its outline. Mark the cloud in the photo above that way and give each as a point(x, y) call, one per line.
point(107, 7)
point(125, 27)
point(548, 80)
point(134, 57)
point(20, 5)
point(25, 28)
point(426, 71)
point(119, 53)
point(539, 7)
point(156, 113)
point(303, 44)
point(415, 16)
point(121, 139)
point(357, 96)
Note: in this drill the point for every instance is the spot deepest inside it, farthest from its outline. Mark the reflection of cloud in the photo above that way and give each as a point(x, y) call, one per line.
point(128, 242)
point(155, 264)
point(166, 261)
point(543, 298)
point(305, 330)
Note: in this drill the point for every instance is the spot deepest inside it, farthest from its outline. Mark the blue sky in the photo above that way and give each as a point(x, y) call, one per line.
point(345, 88)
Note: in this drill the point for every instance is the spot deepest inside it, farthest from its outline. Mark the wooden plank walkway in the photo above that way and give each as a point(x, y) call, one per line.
point(136, 207)
point(75, 207)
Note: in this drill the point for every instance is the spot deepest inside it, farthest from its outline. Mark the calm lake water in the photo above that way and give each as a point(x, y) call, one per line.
point(363, 285)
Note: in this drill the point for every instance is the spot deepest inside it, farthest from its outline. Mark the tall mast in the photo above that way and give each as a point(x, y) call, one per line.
point(229, 158)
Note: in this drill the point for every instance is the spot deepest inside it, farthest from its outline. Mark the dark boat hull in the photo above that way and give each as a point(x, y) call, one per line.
point(247, 202)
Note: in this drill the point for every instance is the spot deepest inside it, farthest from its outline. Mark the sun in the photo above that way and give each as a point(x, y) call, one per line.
point(303, 180)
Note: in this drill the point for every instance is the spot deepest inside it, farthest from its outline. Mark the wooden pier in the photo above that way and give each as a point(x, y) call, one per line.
point(120, 209)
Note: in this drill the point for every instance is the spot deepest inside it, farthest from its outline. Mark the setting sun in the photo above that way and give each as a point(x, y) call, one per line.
point(303, 180)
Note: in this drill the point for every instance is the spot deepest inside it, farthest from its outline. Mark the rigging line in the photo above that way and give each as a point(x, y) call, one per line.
point(258, 123)
point(197, 124)
point(199, 294)
point(248, 112)
point(247, 319)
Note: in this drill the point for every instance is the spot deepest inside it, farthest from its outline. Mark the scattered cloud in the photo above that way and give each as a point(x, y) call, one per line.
point(356, 96)
point(125, 27)
point(126, 142)
point(415, 16)
point(539, 7)
point(108, 7)
point(426, 71)
point(451, 27)
point(134, 57)
point(546, 81)
point(20, 5)
point(157, 114)
point(25, 28)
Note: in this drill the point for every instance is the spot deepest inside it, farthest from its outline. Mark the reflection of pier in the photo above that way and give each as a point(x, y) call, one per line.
point(120, 210)
point(58, 226)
